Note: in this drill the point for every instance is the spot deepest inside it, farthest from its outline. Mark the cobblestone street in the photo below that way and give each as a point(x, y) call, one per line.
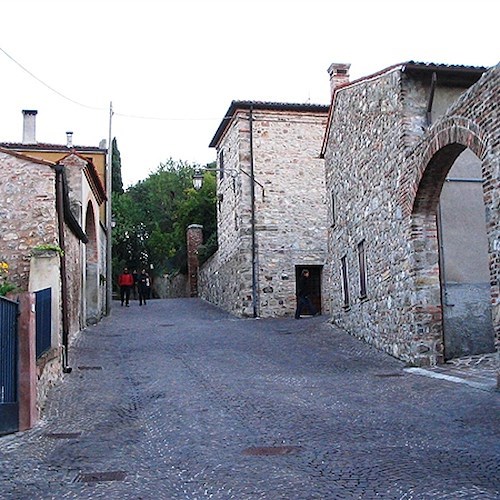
point(179, 400)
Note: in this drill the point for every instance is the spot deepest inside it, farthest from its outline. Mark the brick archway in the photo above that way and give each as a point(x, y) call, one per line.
point(448, 140)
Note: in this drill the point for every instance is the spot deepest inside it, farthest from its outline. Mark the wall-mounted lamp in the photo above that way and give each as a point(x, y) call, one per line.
point(198, 178)
point(199, 173)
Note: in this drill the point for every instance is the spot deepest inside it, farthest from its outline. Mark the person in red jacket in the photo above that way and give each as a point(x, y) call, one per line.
point(126, 282)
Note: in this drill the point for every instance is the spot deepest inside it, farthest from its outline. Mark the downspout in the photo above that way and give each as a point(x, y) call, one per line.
point(64, 282)
point(252, 197)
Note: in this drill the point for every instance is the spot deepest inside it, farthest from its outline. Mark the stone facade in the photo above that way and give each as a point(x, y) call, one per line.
point(36, 196)
point(385, 169)
point(27, 212)
point(253, 273)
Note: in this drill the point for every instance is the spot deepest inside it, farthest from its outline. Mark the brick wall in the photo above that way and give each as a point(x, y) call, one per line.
point(194, 240)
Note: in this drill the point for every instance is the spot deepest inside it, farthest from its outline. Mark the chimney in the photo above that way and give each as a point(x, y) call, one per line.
point(29, 126)
point(339, 74)
point(69, 140)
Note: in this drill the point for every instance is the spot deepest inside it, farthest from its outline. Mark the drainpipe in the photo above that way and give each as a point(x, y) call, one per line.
point(252, 197)
point(64, 282)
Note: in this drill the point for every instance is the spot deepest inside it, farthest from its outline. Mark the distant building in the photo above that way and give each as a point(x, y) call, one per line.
point(273, 226)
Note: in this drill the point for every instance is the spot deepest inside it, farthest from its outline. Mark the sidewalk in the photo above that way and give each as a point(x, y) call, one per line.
point(479, 371)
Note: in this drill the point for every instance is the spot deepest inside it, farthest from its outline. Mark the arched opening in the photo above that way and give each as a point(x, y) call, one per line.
point(452, 278)
point(91, 269)
point(464, 266)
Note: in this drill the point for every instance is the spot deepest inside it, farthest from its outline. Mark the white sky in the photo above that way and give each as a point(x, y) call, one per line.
point(184, 61)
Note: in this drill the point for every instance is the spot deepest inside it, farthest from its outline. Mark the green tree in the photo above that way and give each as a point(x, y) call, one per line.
point(151, 218)
point(116, 168)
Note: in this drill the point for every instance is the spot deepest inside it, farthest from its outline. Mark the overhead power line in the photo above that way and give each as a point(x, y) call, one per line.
point(96, 108)
point(47, 85)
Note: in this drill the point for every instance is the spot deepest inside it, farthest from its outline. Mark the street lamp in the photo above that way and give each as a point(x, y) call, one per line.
point(199, 171)
point(198, 183)
point(198, 178)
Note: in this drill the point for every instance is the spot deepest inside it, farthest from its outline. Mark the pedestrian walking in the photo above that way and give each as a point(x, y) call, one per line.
point(303, 295)
point(134, 287)
point(143, 286)
point(126, 282)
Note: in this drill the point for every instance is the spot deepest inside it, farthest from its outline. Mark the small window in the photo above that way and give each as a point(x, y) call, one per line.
point(362, 269)
point(332, 208)
point(221, 164)
point(345, 282)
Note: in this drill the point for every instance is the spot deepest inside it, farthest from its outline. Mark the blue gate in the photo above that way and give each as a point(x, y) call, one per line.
point(43, 307)
point(9, 407)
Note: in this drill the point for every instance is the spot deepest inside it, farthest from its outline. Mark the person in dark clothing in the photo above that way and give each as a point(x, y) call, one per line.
point(143, 284)
point(126, 282)
point(134, 288)
point(303, 292)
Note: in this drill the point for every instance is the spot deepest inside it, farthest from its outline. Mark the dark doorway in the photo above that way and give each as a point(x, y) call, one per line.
point(315, 276)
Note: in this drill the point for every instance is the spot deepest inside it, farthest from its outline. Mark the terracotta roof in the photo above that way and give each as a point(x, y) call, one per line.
point(263, 105)
point(22, 156)
point(92, 175)
point(447, 73)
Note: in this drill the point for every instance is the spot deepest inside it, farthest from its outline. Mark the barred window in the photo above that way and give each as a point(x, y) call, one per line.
point(221, 164)
point(345, 281)
point(332, 208)
point(362, 270)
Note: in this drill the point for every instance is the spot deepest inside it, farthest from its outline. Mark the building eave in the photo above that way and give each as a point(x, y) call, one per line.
point(261, 105)
point(23, 156)
point(48, 148)
point(448, 75)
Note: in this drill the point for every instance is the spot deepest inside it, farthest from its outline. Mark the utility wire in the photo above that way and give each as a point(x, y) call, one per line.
point(47, 85)
point(124, 115)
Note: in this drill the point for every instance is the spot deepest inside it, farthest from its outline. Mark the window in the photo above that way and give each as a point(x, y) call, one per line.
point(221, 164)
point(332, 207)
point(345, 282)
point(362, 269)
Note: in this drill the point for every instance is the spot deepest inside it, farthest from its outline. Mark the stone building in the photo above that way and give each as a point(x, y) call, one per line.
point(46, 205)
point(271, 208)
point(412, 175)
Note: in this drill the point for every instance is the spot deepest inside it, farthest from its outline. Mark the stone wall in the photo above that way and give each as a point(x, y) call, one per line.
point(45, 273)
point(290, 211)
point(385, 170)
point(365, 154)
point(170, 286)
point(27, 213)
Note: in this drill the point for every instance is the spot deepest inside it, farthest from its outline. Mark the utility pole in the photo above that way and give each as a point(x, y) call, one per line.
point(109, 227)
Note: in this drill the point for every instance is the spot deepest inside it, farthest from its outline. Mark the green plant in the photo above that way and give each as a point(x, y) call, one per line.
point(5, 286)
point(49, 247)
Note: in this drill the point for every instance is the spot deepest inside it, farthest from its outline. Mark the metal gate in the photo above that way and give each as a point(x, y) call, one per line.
point(9, 406)
point(43, 305)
